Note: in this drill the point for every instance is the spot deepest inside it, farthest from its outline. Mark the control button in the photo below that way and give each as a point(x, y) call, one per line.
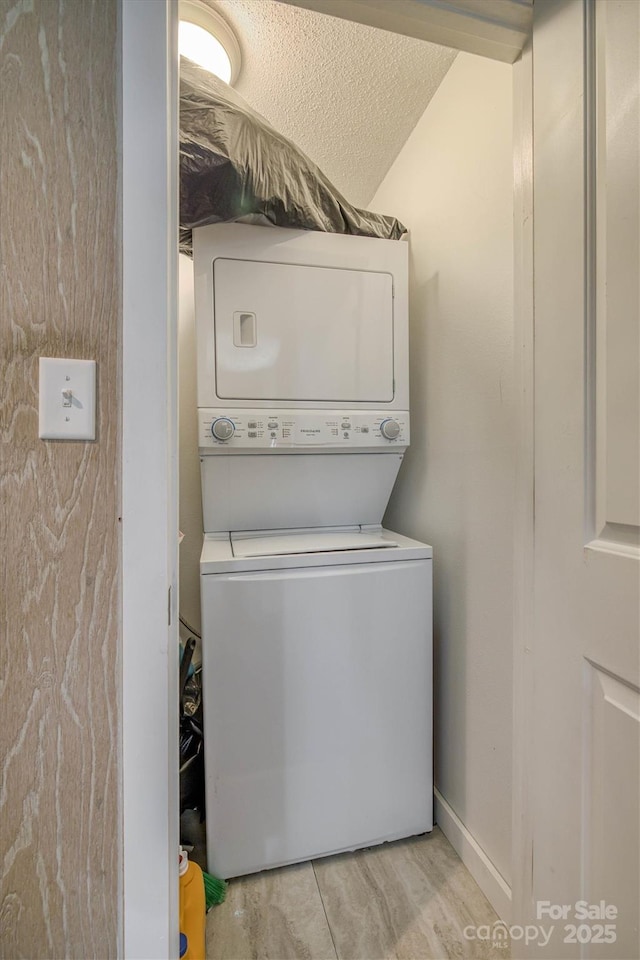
point(274, 434)
point(345, 435)
point(272, 426)
point(252, 425)
point(222, 429)
point(364, 429)
point(252, 434)
point(390, 429)
point(346, 426)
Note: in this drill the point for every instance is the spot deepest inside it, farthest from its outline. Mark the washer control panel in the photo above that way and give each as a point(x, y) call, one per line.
point(287, 429)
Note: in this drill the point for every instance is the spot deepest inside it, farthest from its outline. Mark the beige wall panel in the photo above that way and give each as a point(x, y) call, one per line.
point(59, 501)
point(452, 185)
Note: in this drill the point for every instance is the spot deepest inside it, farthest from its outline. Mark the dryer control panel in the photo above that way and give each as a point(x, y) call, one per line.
point(246, 430)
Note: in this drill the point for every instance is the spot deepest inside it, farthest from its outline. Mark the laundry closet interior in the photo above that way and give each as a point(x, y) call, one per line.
point(347, 452)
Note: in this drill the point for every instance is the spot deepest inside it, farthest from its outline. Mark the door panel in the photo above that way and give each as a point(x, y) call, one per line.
point(293, 332)
point(617, 293)
point(611, 780)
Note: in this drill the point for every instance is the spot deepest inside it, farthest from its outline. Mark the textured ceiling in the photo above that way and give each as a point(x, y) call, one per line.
point(347, 94)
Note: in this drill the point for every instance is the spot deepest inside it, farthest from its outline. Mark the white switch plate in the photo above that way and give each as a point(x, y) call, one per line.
point(70, 417)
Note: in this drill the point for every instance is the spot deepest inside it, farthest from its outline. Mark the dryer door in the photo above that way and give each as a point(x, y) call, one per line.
point(292, 332)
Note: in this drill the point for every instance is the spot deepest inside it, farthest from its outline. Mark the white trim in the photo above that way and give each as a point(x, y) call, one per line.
point(522, 830)
point(150, 803)
point(497, 29)
point(484, 872)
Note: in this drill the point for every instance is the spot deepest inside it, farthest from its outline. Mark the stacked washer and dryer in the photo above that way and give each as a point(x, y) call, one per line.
point(317, 651)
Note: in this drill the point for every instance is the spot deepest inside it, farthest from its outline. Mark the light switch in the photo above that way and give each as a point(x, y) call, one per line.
point(67, 391)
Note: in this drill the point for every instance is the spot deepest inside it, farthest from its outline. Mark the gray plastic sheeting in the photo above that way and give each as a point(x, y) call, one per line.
point(235, 167)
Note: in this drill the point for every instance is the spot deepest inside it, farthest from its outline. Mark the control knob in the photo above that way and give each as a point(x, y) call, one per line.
point(390, 429)
point(222, 428)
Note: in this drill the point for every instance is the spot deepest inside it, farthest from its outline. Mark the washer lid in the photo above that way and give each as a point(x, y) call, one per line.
point(297, 543)
point(218, 553)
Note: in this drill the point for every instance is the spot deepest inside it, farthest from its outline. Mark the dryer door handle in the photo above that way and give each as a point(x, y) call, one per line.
point(245, 329)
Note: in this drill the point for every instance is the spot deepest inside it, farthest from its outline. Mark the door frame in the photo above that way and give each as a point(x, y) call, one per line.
point(524, 514)
point(149, 709)
point(149, 926)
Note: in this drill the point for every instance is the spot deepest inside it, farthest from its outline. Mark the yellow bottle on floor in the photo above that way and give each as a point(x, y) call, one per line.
point(192, 908)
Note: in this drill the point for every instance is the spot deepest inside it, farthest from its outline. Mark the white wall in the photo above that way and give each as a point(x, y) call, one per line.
point(452, 186)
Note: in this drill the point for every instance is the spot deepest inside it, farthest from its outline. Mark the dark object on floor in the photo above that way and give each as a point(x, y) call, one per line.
point(192, 803)
point(191, 740)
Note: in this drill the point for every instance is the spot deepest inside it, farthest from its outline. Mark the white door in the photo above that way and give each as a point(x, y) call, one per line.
point(317, 708)
point(584, 771)
point(302, 333)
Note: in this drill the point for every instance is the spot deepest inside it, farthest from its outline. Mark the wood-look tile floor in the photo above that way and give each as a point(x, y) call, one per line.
point(409, 900)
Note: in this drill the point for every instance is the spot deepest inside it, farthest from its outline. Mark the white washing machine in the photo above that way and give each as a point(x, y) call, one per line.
point(317, 691)
point(316, 621)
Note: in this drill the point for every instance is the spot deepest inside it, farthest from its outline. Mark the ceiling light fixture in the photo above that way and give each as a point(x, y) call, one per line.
point(207, 39)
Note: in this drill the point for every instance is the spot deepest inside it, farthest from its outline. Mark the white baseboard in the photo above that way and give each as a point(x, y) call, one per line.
point(491, 882)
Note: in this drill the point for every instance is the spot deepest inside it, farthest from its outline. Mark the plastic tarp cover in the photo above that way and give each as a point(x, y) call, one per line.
point(235, 167)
